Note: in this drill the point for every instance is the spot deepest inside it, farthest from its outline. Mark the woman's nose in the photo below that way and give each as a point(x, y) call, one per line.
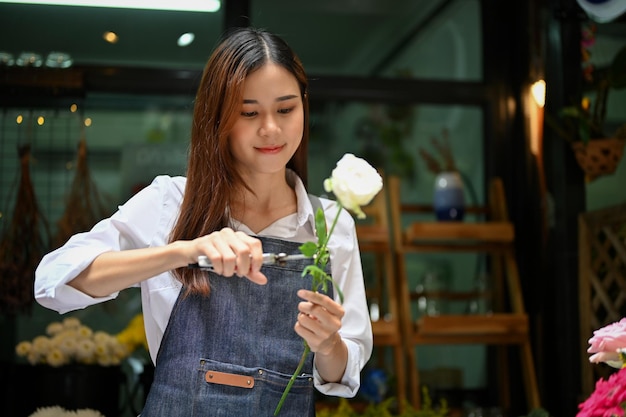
point(269, 126)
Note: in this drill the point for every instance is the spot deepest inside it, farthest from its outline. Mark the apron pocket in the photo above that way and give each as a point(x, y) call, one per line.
point(227, 385)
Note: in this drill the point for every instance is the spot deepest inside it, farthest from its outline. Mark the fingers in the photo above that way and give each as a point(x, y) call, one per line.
point(319, 320)
point(320, 303)
point(234, 253)
point(257, 278)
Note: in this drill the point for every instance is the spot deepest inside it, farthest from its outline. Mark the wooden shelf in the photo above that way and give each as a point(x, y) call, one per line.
point(386, 333)
point(457, 236)
point(501, 328)
point(492, 235)
point(454, 232)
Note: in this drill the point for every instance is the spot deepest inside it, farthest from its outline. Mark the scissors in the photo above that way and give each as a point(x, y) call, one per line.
point(279, 259)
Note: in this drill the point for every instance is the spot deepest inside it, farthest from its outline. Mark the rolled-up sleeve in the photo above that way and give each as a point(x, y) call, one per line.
point(133, 225)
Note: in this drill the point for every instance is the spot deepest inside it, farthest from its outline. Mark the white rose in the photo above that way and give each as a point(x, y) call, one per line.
point(354, 182)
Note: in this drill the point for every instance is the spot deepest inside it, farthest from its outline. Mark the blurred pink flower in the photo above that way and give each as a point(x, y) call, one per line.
point(605, 342)
point(608, 399)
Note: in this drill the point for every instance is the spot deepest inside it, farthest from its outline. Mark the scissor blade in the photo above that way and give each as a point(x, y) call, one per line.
point(268, 258)
point(295, 257)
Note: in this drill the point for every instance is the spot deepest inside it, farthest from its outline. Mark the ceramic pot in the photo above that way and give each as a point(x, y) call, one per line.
point(448, 197)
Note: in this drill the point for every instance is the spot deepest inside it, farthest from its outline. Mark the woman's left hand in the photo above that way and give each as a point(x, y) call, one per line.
point(319, 321)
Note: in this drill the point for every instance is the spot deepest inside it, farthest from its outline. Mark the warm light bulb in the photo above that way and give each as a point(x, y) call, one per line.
point(110, 37)
point(538, 90)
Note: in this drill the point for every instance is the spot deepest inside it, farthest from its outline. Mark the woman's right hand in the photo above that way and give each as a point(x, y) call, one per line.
point(231, 253)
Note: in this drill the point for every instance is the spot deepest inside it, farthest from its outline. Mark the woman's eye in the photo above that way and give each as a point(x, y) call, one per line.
point(285, 111)
point(248, 113)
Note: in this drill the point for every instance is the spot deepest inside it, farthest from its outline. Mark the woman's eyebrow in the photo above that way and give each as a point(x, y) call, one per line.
point(278, 99)
point(287, 97)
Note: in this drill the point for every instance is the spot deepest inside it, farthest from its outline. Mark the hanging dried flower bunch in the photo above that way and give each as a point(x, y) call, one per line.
point(84, 207)
point(23, 243)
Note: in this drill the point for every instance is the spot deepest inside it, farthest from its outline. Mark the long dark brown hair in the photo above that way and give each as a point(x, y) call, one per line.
point(212, 179)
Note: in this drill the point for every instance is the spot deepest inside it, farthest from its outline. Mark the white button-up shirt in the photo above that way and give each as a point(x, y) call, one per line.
point(146, 220)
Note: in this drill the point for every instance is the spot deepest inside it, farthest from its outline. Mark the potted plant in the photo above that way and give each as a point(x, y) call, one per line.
point(598, 150)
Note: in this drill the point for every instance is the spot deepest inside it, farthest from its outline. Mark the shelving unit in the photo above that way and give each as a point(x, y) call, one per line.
point(374, 238)
point(506, 326)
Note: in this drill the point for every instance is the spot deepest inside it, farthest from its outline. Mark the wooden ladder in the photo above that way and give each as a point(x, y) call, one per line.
point(375, 240)
point(508, 325)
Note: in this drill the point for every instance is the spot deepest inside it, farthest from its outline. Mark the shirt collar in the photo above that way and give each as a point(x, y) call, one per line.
point(305, 217)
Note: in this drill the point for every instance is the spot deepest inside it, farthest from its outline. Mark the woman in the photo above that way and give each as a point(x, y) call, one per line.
point(227, 341)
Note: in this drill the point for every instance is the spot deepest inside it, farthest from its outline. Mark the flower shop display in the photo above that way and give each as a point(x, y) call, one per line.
point(355, 183)
point(384, 409)
point(587, 120)
point(133, 337)
point(57, 411)
point(608, 345)
point(73, 367)
point(597, 148)
point(71, 342)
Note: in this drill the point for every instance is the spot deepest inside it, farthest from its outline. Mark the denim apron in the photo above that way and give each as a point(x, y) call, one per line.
point(232, 353)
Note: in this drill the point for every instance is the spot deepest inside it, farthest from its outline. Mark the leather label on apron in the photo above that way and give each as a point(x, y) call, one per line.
point(234, 380)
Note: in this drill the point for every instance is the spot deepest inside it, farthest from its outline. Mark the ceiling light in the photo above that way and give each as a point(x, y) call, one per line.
point(176, 5)
point(6, 59)
point(110, 37)
point(59, 60)
point(185, 39)
point(29, 59)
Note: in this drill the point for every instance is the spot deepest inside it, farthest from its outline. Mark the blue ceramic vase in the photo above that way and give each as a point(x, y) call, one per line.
point(448, 199)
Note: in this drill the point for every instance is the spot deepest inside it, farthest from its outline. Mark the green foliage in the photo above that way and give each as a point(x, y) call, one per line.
point(384, 409)
point(586, 121)
point(319, 252)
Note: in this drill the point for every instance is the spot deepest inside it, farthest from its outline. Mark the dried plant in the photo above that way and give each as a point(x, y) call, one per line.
point(84, 206)
point(23, 243)
point(444, 162)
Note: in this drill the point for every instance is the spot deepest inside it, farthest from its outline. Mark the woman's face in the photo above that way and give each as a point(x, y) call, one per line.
point(271, 121)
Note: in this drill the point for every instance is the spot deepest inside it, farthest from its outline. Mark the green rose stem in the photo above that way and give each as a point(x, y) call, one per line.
point(307, 349)
point(319, 253)
point(349, 171)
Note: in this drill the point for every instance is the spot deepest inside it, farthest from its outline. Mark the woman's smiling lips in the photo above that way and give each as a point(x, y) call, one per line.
point(270, 149)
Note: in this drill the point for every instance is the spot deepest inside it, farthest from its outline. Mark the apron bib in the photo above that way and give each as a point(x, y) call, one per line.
point(232, 353)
